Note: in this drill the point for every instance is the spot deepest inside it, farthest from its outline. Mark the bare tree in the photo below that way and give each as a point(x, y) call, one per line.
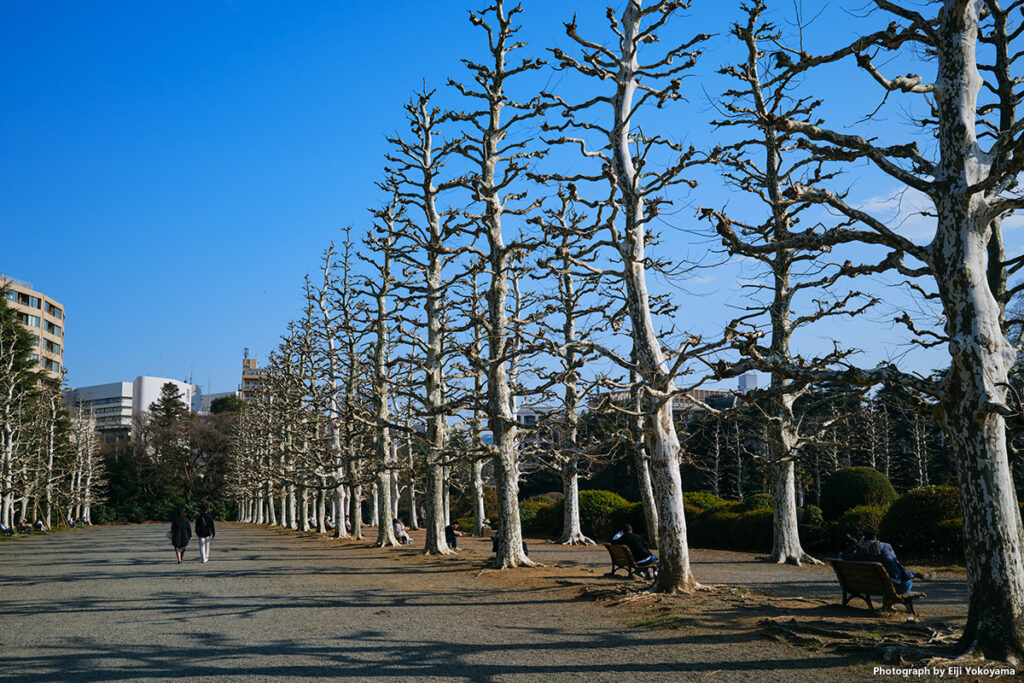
point(638, 195)
point(500, 163)
point(766, 166)
point(972, 182)
point(424, 249)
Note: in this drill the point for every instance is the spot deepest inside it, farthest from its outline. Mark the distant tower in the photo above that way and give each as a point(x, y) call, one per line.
point(748, 382)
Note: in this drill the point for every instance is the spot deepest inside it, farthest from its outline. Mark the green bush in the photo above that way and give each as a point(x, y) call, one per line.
point(702, 500)
point(759, 501)
point(713, 528)
point(912, 523)
point(855, 486)
point(597, 512)
point(810, 515)
point(856, 519)
point(814, 531)
point(949, 539)
point(633, 514)
point(752, 531)
point(466, 524)
point(536, 516)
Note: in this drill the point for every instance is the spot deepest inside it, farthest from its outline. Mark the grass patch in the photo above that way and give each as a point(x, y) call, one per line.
point(662, 622)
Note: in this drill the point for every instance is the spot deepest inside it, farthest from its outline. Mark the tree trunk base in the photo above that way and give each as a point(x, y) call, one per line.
point(795, 559)
point(673, 587)
point(576, 539)
point(522, 562)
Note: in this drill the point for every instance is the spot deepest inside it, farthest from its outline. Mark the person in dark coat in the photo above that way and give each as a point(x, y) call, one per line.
point(181, 532)
point(451, 535)
point(642, 555)
point(205, 531)
point(869, 549)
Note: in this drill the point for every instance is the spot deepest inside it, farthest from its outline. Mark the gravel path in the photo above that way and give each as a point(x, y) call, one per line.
point(110, 603)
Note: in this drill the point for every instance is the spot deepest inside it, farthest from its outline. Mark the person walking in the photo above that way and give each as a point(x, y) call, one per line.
point(205, 532)
point(181, 532)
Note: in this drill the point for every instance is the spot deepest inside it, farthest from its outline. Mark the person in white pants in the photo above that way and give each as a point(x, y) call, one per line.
point(205, 532)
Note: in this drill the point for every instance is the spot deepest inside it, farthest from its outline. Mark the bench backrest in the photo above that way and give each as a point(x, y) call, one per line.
point(620, 555)
point(863, 577)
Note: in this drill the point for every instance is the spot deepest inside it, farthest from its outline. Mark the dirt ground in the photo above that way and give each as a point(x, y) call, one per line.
point(110, 603)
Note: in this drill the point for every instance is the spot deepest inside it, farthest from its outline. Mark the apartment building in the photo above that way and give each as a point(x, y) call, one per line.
point(252, 377)
point(43, 317)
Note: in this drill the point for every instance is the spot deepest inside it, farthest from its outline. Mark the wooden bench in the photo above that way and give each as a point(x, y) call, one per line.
point(864, 579)
point(622, 558)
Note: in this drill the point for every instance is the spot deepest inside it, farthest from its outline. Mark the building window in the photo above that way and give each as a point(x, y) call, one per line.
point(12, 295)
point(52, 347)
point(54, 311)
point(51, 328)
point(33, 356)
point(29, 320)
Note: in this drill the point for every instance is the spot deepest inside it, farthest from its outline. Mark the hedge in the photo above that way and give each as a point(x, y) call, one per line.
point(921, 522)
point(855, 486)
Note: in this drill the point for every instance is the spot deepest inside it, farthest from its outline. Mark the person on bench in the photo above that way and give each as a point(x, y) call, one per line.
point(869, 549)
point(642, 555)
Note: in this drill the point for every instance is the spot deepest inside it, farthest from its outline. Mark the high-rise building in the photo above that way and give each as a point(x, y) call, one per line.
point(43, 317)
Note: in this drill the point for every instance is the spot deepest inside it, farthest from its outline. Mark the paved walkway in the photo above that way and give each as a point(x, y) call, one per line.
point(110, 603)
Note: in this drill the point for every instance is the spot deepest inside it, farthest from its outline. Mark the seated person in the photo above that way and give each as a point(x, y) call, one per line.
point(328, 523)
point(40, 524)
point(451, 534)
point(6, 530)
point(311, 522)
point(348, 525)
point(869, 549)
point(642, 555)
point(24, 527)
point(71, 522)
point(400, 533)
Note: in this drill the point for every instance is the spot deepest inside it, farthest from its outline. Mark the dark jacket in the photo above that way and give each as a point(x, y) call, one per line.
point(636, 544)
point(181, 532)
point(876, 551)
point(204, 525)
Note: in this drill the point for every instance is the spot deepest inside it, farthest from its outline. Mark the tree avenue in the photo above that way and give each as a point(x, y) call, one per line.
point(503, 327)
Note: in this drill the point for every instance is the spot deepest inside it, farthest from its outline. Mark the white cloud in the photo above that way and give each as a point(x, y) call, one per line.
point(906, 212)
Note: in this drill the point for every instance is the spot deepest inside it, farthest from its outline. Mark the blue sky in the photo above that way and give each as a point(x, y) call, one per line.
point(169, 171)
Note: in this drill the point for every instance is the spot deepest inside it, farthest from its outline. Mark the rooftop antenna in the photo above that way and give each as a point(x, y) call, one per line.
point(245, 353)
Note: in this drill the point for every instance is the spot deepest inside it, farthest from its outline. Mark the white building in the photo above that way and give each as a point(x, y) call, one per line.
point(146, 391)
point(110, 403)
point(116, 403)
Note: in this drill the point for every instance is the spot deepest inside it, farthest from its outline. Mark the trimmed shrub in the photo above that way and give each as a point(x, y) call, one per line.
point(713, 528)
point(912, 523)
point(855, 486)
point(759, 501)
point(702, 500)
point(466, 524)
point(536, 517)
point(633, 514)
point(810, 515)
point(814, 531)
point(599, 511)
point(752, 531)
point(949, 538)
point(856, 519)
